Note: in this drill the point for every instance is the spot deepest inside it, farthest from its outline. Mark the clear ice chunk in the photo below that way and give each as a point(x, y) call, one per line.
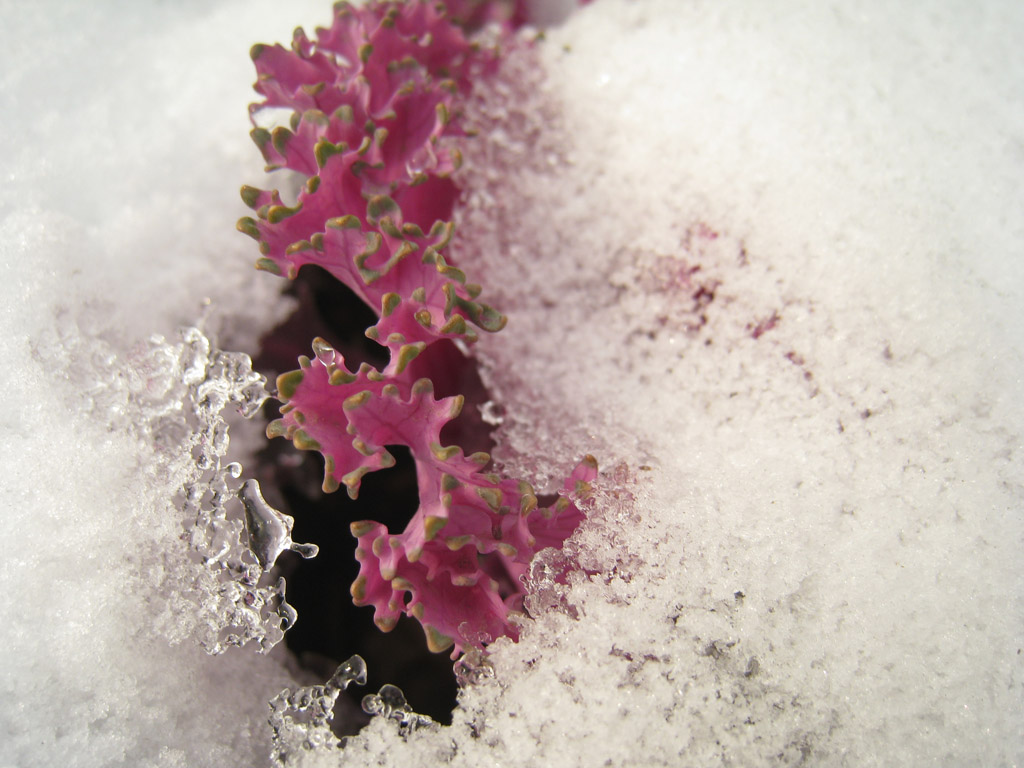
point(473, 667)
point(492, 413)
point(300, 719)
point(323, 351)
point(270, 531)
point(186, 393)
point(390, 703)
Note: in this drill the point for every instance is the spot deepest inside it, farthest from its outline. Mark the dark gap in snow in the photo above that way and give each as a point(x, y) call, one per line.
point(325, 308)
point(330, 628)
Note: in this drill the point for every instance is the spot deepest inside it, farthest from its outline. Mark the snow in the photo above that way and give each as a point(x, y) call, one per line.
point(806, 544)
point(822, 562)
point(117, 223)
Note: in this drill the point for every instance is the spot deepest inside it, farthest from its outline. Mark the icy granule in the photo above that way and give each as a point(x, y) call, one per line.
point(300, 719)
point(389, 703)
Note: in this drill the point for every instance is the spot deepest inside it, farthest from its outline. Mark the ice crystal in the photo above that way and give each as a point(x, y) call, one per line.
point(231, 534)
point(301, 719)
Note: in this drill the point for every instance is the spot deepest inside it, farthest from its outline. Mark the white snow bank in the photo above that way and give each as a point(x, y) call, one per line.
point(823, 562)
point(125, 133)
point(807, 544)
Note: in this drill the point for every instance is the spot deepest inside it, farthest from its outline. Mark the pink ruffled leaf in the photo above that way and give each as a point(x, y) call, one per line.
point(394, 267)
point(448, 582)
point(372, 101)
point(314, 416)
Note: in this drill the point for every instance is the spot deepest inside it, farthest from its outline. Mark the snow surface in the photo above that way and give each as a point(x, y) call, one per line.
point(762, 260)
point(125, 126)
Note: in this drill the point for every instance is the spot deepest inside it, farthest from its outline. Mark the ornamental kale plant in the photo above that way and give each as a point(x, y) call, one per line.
point(374, 130)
